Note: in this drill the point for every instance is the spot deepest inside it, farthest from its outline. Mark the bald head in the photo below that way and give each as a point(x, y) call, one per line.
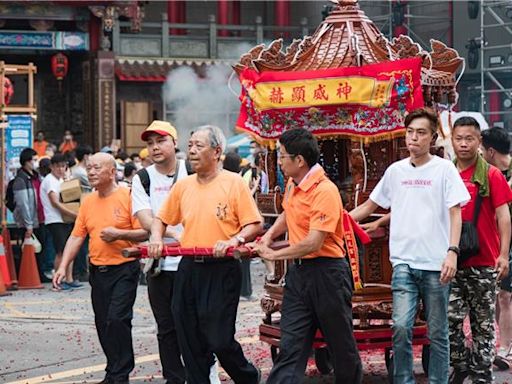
point(105, 159)
point(101, 171)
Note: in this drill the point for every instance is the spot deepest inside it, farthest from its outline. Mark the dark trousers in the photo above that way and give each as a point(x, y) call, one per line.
point(113, 293)
point(204, 305)
point(246, 289)
point(317, 294)
point(80, 267)
point(160, 291)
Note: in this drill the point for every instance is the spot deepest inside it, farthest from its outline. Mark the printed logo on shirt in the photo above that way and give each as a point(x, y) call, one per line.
point(165, 188)
point(416, 183)
point(322, 218)
point(222, 211)
point(117, 214)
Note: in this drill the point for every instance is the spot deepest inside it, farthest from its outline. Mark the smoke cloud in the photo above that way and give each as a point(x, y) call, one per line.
point(192, 101)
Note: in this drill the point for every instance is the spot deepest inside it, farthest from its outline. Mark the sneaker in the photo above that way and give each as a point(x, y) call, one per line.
point(75, 285)
point(45, 279)
point(48, 274)
point(501, 361)
point(458, 377)
point(63, 287)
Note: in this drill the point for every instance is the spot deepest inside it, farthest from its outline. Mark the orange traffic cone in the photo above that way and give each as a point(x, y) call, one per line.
point(29, 274)
point(4, 268)
point(3, 290)
point(10, 259)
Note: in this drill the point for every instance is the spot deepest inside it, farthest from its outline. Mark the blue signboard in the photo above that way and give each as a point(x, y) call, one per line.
point(18, 135)
point(68, 41)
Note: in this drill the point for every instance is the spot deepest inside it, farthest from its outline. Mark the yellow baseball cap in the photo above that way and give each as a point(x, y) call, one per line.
point(143, 153)
point(162, 128)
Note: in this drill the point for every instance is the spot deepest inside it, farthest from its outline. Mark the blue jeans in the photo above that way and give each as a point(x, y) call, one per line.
point(409, 286)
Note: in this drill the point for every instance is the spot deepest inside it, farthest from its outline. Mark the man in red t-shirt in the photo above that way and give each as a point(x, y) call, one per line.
point(495, 150)
point(473, 290)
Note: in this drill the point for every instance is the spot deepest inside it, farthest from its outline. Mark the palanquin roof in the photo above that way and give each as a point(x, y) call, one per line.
point(347, 37)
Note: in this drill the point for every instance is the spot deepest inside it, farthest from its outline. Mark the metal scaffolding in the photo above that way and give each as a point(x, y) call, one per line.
point(416, 17)
point(495, 59)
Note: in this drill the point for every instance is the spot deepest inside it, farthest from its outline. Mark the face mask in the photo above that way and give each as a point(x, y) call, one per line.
point(68, 137)
point(40, 137)
point(35, 164)
point(252, 151)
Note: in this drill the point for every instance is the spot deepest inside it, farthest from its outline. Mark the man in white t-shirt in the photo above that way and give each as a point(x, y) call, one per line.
point(158, 179)
point(425, 194)
point(53, 211)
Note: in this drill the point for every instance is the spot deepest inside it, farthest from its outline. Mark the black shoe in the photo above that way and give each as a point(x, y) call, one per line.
point(44, 279)
point(502, 363)
point(458, 377)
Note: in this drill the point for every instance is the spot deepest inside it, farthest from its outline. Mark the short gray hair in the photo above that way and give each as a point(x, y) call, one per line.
point(215, 135)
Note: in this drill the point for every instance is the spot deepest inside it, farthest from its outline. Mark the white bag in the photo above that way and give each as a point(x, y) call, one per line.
point(35, 242)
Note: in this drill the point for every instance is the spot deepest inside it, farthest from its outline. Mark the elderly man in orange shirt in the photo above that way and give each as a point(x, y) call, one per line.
point(106, 216)
point(217, 210)
point(318, 289)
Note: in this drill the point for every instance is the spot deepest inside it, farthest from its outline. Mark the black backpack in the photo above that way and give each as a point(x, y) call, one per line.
point(144, 180)
point(10, 203)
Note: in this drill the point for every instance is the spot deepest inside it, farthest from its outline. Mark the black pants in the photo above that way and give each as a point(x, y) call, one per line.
point(317, 294)
point(113, 293)
point(246, 289)
point(160, 291)
point(204, 305)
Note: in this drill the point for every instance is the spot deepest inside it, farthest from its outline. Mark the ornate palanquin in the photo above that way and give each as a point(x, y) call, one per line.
point(346, 39)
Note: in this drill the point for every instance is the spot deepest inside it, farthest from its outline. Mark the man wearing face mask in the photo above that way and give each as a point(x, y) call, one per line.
point(40, 144)
point(28, 211)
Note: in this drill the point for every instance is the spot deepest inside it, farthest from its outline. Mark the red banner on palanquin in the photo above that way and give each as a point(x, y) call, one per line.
point(368, 102)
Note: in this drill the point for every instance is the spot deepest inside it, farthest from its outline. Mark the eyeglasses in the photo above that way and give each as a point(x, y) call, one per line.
point(282, 156)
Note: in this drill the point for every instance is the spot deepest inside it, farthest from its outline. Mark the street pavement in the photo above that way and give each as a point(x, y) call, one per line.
point(49, 337)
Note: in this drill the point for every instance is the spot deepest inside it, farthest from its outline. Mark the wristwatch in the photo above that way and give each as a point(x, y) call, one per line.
point(241, 239)
point(454, 249)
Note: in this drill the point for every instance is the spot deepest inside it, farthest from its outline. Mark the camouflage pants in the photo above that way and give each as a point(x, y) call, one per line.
point(473, 292)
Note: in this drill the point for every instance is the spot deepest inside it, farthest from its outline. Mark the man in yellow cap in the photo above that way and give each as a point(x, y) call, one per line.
point(150, 188)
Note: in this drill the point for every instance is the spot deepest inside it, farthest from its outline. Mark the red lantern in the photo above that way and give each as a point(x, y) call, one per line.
point(59, 66)
point(8, 90)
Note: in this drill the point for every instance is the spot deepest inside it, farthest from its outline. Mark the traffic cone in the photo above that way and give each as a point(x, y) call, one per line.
point(4, 268)
point(10, 259)
point(29, 274)
point(3, 290)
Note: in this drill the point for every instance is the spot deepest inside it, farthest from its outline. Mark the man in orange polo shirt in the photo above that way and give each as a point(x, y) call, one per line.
point(318, 289)
point(217, 210)
point(106, 216)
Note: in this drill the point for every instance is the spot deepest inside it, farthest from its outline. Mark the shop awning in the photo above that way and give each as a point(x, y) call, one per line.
point(157, 69)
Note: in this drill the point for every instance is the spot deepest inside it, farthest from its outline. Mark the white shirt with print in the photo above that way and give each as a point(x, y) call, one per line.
point(160, 186)
point(420, 198)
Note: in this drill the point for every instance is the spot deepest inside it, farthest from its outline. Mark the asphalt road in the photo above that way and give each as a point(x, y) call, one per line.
point(49, 337)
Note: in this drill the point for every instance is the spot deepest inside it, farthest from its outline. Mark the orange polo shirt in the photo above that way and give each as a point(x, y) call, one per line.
point(40, 147)
point(210, 212)
point(67, 146)
point(315, 204)
point(96, 213)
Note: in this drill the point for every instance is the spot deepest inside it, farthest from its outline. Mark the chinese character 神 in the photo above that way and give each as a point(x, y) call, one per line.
point(320, 93)
point(276, 96)
point(299, 94)
point(344, 89)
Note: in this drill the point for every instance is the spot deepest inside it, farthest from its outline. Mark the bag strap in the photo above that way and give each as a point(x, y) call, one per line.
point(478, 203)
point(144, 180)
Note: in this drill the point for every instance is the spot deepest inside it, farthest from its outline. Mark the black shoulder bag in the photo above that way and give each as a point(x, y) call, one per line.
point(469, 245)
